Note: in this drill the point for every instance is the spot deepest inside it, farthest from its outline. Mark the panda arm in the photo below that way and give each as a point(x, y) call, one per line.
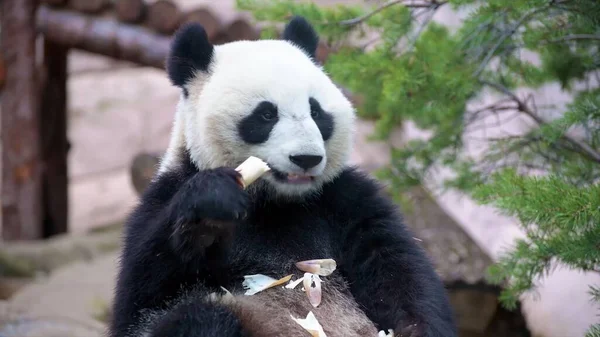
point(156, 264)
point(389, 274)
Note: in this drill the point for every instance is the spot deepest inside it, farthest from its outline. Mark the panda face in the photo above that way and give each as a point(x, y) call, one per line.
point(267, 99)
point(292, 140)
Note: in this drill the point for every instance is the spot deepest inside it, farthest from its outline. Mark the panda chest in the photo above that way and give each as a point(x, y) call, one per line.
point(272, 244)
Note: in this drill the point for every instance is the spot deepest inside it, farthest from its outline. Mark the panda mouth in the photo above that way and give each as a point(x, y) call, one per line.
point(292, 178)
point(299, 179)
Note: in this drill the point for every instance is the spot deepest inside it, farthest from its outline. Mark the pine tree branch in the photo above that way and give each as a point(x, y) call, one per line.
point(581, 147)
point(493, 108)
point(567, 38)
point(362, 18)
point(575, 37)
point(510, 32)
point(421, 28)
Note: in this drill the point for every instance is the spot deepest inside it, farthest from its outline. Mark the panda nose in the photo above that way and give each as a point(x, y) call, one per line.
point(306, 161)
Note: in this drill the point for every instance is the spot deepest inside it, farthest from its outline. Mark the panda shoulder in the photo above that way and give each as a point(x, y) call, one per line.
point(355, 191)
point(354, 179)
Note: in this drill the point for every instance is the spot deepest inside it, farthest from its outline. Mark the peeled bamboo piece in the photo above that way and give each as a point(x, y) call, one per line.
point(314, 293)
point(322, 267)
point(311, 325)
point(251, 170)
point(257, 283)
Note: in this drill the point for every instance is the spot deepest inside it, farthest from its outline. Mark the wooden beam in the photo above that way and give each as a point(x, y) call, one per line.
point(135, 43)
point(211, 23)
point(53, 116)
point(102, 36)
point(89, 6)
point(131, 11)
point(21, 158)
point(240, 29)
point(54, 2)
point(164, 16)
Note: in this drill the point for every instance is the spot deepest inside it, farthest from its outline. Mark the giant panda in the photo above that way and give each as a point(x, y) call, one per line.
point(196, 231)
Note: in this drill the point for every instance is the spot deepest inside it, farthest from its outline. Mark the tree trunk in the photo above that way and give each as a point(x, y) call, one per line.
point(104, 36)
point(21, 157)
point(164, 17)
point(53, 116)
point(131, 11)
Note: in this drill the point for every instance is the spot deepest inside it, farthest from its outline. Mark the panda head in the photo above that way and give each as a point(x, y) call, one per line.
point(265, 98)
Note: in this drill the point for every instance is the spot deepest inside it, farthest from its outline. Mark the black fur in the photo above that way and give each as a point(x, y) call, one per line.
point(190, 51)
point(196, 231)
point(323, 120)
point(189, 319)
point(256, 127)
point(350, 220)
point(301, 33)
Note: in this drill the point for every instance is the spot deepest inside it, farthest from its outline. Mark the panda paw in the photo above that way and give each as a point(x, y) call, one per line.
point(207, 207)
point(212, 195)
point(413, 330)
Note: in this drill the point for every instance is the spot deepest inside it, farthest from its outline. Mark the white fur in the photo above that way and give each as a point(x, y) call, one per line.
point(241, 75)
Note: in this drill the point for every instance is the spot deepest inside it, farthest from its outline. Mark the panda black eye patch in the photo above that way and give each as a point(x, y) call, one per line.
point(256, 127)
point(323, 120)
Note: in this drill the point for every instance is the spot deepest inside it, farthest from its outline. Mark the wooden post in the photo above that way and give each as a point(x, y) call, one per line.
point(2, 72)
point(19, 127)
point(53, 117)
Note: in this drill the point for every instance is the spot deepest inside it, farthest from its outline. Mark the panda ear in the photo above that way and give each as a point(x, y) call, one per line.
point(190, 52)
point(301, 33)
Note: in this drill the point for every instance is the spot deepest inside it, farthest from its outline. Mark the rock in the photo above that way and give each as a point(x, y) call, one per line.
point(66, 304)
point(11, 285)
point(26, 259)
point(474, 308)
point(457, 258)
point(143, 168)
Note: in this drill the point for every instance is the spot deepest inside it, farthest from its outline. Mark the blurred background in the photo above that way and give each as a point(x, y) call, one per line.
point(482, 118)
